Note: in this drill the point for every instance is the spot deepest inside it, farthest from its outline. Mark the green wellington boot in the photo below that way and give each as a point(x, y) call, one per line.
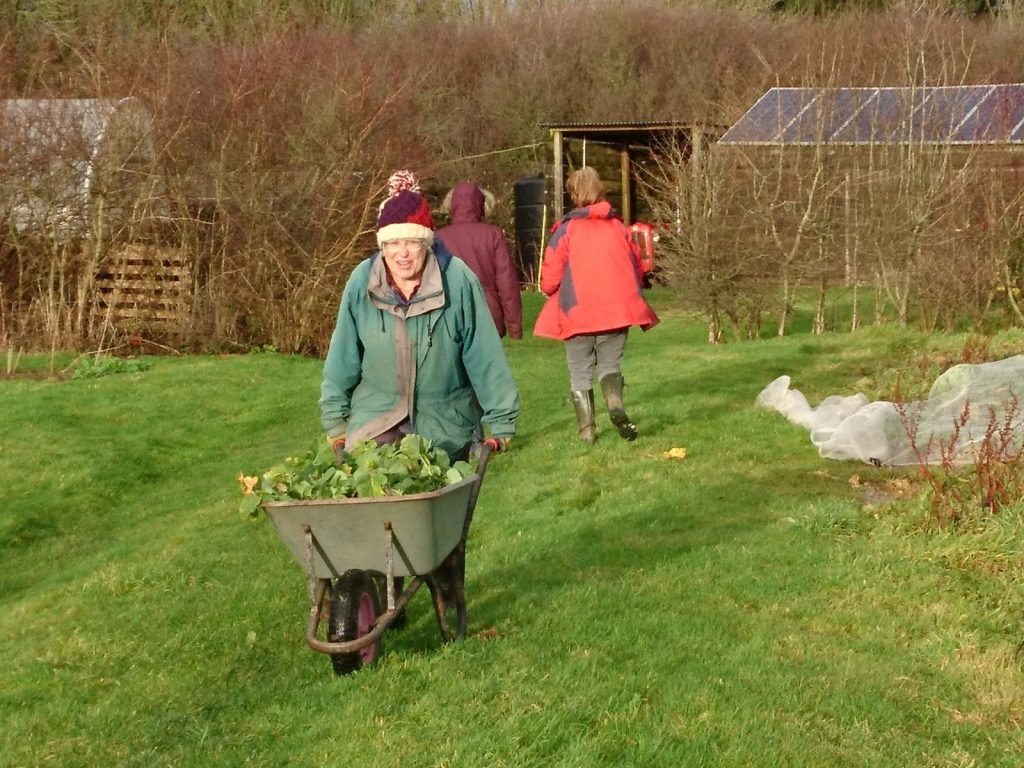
point(611, 388)
point(583, 402)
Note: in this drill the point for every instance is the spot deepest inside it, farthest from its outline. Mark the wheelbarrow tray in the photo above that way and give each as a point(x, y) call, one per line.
point(351, 533)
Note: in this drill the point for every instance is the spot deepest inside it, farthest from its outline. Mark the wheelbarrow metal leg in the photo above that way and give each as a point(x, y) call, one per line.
point(447, 583)
point(447, 588)
point(389, 553)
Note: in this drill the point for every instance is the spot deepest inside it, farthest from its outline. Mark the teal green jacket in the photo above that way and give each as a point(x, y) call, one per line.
point(437, 360)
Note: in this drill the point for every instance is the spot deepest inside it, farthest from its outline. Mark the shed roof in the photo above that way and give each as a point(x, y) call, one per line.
point(967, 114)
point(631, 132)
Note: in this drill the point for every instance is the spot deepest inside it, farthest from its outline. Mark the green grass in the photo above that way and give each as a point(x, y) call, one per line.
point(741, 607)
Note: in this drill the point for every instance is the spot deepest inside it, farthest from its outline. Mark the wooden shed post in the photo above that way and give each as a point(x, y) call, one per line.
point(627, 189)
point(695, 176)
point(697, 150)
point(557, 191)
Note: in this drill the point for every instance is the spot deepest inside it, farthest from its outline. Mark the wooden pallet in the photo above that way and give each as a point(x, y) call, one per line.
point(143, 287)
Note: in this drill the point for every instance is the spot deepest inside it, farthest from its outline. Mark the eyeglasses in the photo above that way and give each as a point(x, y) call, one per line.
point(391, 246)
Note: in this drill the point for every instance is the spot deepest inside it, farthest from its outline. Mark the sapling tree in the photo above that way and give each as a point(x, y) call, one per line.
point(702, 257)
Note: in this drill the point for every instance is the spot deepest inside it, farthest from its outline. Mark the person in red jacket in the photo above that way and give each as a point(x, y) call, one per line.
point(592, 277)
point(484, 248)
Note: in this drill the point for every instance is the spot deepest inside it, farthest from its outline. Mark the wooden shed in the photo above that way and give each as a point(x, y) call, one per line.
point(614, 149)
point(617, 151)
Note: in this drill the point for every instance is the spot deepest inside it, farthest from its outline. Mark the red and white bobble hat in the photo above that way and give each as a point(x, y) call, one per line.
point(405, 216)
point(399, 181)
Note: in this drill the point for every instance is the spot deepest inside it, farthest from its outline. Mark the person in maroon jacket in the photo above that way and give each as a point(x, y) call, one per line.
point(592, 277)
point(484, 248)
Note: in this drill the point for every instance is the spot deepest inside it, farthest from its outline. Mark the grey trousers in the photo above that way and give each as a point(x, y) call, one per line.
point(601, 352)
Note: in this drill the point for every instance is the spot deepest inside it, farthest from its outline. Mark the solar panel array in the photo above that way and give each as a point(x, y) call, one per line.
point(965, 114)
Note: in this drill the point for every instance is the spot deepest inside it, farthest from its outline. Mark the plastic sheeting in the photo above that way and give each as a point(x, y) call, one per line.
point(965, 406)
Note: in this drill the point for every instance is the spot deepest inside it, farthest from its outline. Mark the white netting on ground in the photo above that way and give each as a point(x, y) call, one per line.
point(878, 433)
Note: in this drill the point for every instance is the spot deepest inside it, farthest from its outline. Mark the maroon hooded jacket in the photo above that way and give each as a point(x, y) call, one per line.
point(484, 248)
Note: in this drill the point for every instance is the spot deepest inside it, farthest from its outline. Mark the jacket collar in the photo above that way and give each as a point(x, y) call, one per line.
point(601, 210)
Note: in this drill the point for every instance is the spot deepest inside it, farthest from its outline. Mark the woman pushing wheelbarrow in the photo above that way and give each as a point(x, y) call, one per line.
point(415, 351)
point(414, 348)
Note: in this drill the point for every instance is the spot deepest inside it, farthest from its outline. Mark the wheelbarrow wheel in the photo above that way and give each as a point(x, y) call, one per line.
point(355, 605)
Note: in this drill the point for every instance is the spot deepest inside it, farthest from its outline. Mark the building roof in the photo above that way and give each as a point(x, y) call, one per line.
point(965, 114)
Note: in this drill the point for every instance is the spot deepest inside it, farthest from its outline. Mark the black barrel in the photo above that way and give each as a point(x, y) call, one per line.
point(530, 199)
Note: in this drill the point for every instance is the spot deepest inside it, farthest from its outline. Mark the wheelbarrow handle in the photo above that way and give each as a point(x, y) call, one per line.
point(481, 466)
point(497, 444)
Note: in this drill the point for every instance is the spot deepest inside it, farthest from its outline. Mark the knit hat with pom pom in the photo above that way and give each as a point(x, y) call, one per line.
point(406, 216)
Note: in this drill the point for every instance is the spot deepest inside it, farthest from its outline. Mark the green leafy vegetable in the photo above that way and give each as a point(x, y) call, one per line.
point(412, 466)
point(94, 367)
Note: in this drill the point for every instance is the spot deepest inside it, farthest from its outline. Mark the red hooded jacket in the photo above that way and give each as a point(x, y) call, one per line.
point(484, 248)
point(592, 277)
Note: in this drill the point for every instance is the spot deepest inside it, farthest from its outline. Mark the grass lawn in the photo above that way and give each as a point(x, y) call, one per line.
point(745, 606)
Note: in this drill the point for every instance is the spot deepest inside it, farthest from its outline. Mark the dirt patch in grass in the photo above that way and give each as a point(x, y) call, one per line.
point(34, 375)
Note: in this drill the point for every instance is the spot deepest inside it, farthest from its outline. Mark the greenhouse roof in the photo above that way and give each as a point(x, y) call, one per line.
point(54, 152)
point(963, 114)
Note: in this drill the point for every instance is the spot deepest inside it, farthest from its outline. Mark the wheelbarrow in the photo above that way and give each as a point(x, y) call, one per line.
point(357, 551)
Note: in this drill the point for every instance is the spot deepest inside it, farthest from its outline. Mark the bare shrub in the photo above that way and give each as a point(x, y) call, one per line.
point(297, 188)
point(276, 126)
point(717, 238)
point(994, 479)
